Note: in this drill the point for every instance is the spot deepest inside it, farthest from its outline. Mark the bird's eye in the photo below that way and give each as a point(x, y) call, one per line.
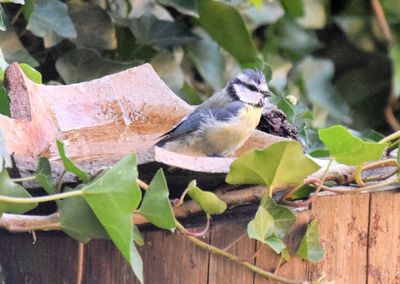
point(253, 88)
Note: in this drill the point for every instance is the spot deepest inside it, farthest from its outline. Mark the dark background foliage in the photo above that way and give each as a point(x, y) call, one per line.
point(330, 55)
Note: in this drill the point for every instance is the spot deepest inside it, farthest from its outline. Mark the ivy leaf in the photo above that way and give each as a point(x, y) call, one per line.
point(88, 17)
point(113, 197)
point(310, 248)
point(10, 188)
point(183, 6)
point(208, 201)
point(69, 165)
point(293, 8)
point(137, 236)
point(275, 243)
point(156, 207)
point(208, 59)
point(229, 31)
point(280, 164)
point(31, 73)
point(51, 15)
point(4, 102)
point(271, 224)
point(348, 149)
point(43, 175)
point(81, 65)
point(151, 31)
point(78, 221)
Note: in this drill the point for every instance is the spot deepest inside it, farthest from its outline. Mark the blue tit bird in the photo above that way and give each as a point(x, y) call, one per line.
point(222, 123)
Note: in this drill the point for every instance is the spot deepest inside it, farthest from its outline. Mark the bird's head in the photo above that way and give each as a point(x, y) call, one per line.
point(250, 87)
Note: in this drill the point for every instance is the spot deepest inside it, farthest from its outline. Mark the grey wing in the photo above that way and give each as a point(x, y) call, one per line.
point(201, 115)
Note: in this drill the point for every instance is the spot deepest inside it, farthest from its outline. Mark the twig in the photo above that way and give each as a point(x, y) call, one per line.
point(16, 223)
point(215, 250)
point(382, 22)
point(81, 257)
point(390, 117)
point(142, 184)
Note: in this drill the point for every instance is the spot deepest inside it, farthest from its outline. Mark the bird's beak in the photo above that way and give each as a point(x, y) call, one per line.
point(266, 94)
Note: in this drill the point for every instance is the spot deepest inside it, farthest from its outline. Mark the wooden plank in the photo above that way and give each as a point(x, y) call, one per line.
point(223, 270)
point(343, 226)
point(384, 238)
point(52, 259)
point(294, 269)
point(167, 257)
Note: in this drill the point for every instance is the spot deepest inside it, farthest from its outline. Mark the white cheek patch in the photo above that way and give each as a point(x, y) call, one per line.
point(264, 87)
point(247, 96)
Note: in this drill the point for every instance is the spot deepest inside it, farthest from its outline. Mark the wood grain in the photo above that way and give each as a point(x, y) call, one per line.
point(343, 227)
point(384, 239)
point(52, 259)
point(222, 270)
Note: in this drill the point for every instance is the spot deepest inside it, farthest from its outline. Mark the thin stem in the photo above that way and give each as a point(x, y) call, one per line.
point(15, 18)
point(23, 179)
point(380, 164)
point(81, 257)
point(215, 250)
point(358, 189)
point(21, 200)
point(392, 137)
point(357, 175)
point(321, 183)
point(60, 181)
point(142, 184)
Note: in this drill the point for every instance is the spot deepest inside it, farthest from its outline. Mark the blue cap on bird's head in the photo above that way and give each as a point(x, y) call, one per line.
point(254, 75)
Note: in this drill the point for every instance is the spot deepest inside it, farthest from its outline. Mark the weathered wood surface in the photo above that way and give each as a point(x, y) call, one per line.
point(100, 121)
point(360, 234)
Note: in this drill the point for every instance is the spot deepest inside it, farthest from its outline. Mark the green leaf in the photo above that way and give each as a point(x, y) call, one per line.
point(43, 175)
point(87, 18)
point(156, 207)
point(10, 188)
point(271, 224)
point(113, 197)
point(293, 8)
point(208, 201)
point(280, 164)
point(69, 165)
point(51, 15)
point(136, 263)
point(190, 95)
point(348, 149)
point(151, 31)
point(2, 25)
point(27, 9)
point(395, 56)
point(13, 49)
point(229, 31)
point(317, 76)
point(137, 236)
point(31, 73)
point(168, 67)
point(81, 65)
point(310, 248)
point(4, 102)
point(183, 6)
point(78, 220)
point(275, 243)
point(208, 59)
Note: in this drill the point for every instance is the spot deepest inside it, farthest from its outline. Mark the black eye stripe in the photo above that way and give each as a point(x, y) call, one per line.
point(248, 86)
